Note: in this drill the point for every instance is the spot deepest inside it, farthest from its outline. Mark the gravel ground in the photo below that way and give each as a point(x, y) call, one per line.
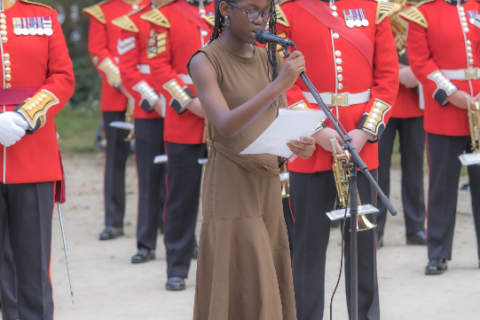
point(107, 286)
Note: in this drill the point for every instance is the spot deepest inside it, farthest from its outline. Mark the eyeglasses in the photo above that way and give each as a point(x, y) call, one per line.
point(252, 15)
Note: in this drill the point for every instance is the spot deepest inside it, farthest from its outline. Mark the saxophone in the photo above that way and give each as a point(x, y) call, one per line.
point(474, 124)
point(342, 179)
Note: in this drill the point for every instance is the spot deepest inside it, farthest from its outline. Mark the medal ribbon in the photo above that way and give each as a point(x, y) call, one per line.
point(355, 36)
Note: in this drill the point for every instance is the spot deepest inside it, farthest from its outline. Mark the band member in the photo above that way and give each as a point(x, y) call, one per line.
point(102, 45)
point(448, 74)
point(180, 29)
point(37, 81)
point(244, 269)
point(407, 119)
point(351, 58)
point(137, 44)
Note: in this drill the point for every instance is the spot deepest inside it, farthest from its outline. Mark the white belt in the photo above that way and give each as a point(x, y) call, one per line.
point(144, 68)
point(186, 79)
point(340, 99)
point(463, 74)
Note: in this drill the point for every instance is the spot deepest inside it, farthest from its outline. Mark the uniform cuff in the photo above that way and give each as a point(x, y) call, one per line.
point(111, 71)
point(34, 109)
point(149, 97)
point(374, 121)
point(445, 88)
point(181, 96)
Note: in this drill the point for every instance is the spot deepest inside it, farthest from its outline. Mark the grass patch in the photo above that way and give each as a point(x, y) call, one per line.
point(77, 128)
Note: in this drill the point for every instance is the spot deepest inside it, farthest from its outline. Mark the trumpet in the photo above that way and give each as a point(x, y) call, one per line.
point(129, 119)
point(474, 124)
point(342, 179)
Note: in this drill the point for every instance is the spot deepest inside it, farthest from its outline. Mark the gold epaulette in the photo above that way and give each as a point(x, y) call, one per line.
point(414, 15)
point(38, 4)
point(125, 23)
point(156, 17)
point(210, 20)
point(385, 9)
point(96, 12)
point(281, 17)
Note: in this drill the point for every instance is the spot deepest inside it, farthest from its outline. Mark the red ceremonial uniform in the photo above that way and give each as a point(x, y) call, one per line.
point(443, 69)
point(407, 104)
point(181, 31)
point(355, 69)
point(102, 44)
point(137, 44)
point(37, 70)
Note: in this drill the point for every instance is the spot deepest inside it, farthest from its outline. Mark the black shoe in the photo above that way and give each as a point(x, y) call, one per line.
point(419, 239)
point(143, 255)
point(465, 189)
point(195, 253)
point(175, 284)
point(161, 229)
point(436, 267)
point(111, 233)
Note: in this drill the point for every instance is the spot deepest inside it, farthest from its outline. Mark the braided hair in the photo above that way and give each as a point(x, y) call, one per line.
point(272, 28)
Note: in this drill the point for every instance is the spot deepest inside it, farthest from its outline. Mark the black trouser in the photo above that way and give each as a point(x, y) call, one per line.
point(8, 285)
point(287, 213)
point(412, 147)
point(443, 152)
point(183, 187)
point(26, 211)
point(151, 179)
point(116, 154)
point(312, 196)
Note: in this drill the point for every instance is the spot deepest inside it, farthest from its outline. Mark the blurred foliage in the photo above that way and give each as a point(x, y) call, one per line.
point(75, 28)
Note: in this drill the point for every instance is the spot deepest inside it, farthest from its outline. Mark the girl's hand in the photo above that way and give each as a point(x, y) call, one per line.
point(303, 148)
point(293, 66)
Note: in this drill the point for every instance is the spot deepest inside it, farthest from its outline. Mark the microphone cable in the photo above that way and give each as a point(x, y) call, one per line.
point(341, 258)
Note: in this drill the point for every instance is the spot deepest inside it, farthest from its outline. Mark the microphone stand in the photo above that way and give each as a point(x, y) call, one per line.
point(355, 163)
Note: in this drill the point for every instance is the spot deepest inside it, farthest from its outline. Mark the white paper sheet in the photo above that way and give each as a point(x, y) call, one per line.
point(122, 125)
point(340, 213)
point(290, 125)
point(469, 159)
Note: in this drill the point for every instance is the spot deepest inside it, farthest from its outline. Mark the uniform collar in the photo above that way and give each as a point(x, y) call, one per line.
point(455, 2)
point(6, 4)
point(198, 3)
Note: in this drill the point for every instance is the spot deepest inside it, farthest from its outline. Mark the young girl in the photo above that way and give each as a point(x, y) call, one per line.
point(243, 268)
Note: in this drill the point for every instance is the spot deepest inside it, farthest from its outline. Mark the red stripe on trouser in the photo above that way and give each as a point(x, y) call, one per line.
point(291, 211)
point(50, 259)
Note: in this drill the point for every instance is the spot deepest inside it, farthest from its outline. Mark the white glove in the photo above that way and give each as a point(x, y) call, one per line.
point(12, 128)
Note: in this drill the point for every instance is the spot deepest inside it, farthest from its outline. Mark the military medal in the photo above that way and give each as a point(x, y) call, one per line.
point(364, 17)
point(17, 26)
point(356, 16)
point(471, 16)
point(38, 22)
point(31, 28)
point(348, 19)
point(47, 25)
point(24, 27)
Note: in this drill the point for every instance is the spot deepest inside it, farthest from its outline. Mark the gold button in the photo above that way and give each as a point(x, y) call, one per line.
point(6, 56)
point(3, 27)
point(3, 21)
point(4, 39)
point(8, 70)
point(43, 95)
point(8, 85)
point(7, 63)
point(3, 33)
point(2, 15)
point(8, 77)
point(29, 108)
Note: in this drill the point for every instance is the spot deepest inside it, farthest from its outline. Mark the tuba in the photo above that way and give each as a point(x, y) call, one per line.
point(342, 179)
point(474, 124)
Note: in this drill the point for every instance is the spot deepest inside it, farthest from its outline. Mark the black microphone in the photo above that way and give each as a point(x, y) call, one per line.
point(264, 37)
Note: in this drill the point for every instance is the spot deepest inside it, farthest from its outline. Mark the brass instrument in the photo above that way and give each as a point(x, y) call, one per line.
point(129, 119)
point(399, 28)
point(342, 179)
point(474, 124)
point(285, 182)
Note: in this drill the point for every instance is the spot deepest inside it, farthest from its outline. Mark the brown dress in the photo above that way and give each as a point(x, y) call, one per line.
point(244, 270)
